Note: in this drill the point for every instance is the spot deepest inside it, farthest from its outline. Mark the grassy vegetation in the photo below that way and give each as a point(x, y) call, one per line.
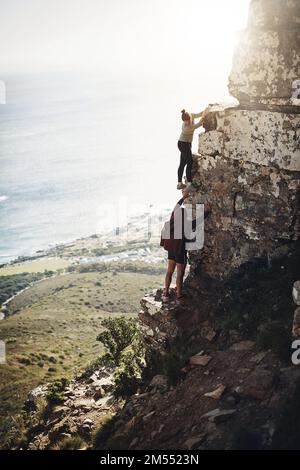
point(120, 266)
point(103, 431)
point(10, 285)
point(98, 246)
point(70, 443)
point(37, 266)
point(119, 249)
point(54, 333)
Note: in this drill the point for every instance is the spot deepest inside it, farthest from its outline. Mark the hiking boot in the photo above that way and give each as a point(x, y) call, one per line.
point(166, 296)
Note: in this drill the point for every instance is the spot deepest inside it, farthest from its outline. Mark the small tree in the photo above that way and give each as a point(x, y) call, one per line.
point(119, 334)
point(125, 353)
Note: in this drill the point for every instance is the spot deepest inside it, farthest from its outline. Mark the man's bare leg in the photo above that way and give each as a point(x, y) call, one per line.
point(169, 275)
point(179, 279)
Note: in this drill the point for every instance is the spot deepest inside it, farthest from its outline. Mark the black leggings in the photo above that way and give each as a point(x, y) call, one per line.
point(186, 159)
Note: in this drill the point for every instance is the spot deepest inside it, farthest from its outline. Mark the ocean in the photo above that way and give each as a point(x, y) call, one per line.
point(75, 150)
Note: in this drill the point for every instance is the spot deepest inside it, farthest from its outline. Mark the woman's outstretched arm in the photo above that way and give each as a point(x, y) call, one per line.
point(197, 115)
point(199, 124)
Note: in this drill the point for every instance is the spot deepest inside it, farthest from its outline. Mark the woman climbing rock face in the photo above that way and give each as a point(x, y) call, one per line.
point(185, 146)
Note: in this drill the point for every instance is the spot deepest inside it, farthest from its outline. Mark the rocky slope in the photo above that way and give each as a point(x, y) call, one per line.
point(234, 402)
point(84, 403)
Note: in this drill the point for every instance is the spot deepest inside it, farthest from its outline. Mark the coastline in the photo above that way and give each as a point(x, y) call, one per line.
point(99, 246)
point(134, 243)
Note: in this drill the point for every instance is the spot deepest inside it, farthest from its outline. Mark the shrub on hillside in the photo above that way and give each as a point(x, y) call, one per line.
point(118, 335)
point(70, 443)
point(125, 352)
point(56, 390)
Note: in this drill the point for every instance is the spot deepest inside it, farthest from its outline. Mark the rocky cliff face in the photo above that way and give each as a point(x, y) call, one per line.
point(266, 62)
point(248, 163)
point(240, 283)
point(249, 156)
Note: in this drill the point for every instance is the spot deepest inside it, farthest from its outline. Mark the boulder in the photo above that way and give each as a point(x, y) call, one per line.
point(296, 324)
point(159, 382)
point(217, 393)
point(88, 421)
point(151, 306)
point(59, 412)
point(296, 292)
point(35, 397)
point(66, 425)
point(193, 442)
point(219, 416)
point(4, 310)
point(259, 357)
point(200, 360)
point(98, 393)
point(148, 416)
point(208, 333)
point(133, 443)
point(257, 385)
point(242, 346)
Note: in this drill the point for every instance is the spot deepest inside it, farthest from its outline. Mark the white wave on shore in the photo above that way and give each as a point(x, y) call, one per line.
point(3, 198)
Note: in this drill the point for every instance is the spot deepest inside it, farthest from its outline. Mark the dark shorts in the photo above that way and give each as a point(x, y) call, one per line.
point(180, 258)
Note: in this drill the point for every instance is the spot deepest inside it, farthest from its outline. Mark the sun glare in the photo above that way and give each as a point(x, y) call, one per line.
point(136, 35)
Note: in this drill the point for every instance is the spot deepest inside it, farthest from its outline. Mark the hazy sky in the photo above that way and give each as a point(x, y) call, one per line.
point(152, 58)
point(118, 35)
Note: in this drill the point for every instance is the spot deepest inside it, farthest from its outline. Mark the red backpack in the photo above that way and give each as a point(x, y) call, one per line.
point(167, 236)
